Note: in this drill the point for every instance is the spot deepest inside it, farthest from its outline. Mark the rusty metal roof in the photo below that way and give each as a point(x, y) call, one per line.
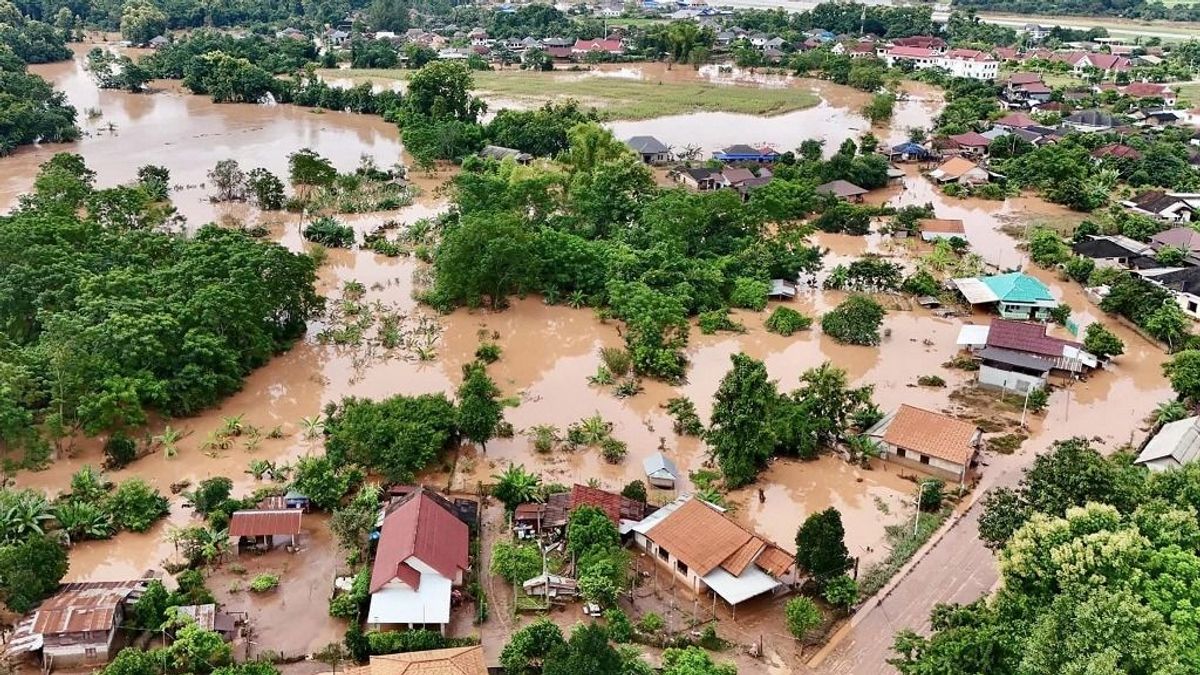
point(262, 523)
point(83, 607)
point(615, 506)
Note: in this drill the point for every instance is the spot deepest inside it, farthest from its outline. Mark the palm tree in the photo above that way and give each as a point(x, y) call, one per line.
point(168, 439)
point(259, 468)
point(88, 484)
point(516, 486)
point(594, 429)
point(23, 516)
point(1170, 411)
point(82, 520)
point(312, 426)
point(233, 425)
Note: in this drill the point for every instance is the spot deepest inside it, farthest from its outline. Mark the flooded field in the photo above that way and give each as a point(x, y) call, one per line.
point(548, 351)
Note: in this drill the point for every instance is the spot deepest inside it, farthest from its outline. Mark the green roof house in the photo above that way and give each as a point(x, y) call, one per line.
point(1016, 295)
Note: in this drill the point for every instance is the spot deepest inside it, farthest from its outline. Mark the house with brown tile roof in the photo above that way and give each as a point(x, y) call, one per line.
point(452, 661)
point(421, 557)
point(709, 553)
point(928, 441)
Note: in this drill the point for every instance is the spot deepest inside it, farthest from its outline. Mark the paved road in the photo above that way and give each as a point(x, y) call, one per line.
point(957, 569)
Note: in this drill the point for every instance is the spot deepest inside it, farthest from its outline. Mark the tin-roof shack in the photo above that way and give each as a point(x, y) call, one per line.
point(77, 625)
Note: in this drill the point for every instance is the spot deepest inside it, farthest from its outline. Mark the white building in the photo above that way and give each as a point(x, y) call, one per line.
point(971, 63)
point(422, 555)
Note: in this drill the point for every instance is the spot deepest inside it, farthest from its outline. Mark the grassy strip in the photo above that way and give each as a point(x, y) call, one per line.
point(904, 545)
point(618, 98)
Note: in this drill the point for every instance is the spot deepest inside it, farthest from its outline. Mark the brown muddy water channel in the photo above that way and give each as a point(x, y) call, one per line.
point(548, 351)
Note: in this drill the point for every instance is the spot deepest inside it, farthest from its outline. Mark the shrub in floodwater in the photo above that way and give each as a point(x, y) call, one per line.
point(931, 381)
point(119, 450)
point(328, 232)
point(613, 450)
point(687, 422)
point(617, 360)
point(749, 293)
point(718, 320)
point(264, 582)
point(545, 437)
point(785, 321)
point(488, 352)
point(630, 386)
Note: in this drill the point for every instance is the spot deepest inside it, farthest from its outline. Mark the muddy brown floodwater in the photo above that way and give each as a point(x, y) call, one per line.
point(548, 351)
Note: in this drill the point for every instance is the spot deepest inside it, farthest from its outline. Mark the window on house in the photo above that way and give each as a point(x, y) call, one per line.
point(924, 459)
point(662, 553)
point(900, 452)
point(683, 569)
point(1191, 307)
point(89, 652)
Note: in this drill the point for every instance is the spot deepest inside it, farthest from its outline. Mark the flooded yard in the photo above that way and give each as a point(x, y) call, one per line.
point(548, 351)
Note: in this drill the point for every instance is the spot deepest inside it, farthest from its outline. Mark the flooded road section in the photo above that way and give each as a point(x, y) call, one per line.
point(548, 351)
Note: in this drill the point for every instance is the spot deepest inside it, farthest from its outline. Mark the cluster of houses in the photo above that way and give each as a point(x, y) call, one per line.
point(78, 625)
point(1022, 356)
point(1182, 279)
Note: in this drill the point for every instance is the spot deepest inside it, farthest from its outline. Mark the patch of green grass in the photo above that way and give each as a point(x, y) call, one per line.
point(617, 98)
point(904, 544)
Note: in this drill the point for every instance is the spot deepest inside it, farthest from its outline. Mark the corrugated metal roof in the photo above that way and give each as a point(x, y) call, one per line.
point(83, 607)
point(1018, 287)
point(262, 523)
point(941, 225)
point(1019, 359)
point(615, 506)
point(659, 465)
point(1178, 440)
point(425, 526)
point(975, 291)
point(1021, 336)
point(775, 561)
point(741, 558)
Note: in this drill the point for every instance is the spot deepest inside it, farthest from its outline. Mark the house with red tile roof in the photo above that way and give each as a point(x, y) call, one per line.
point(422, 556)
point(583, 47)
point(1116, 151)
point(971, 143)
point(936, 44)
point(1141, 90)
point(927, 441)
point(1016, 120)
